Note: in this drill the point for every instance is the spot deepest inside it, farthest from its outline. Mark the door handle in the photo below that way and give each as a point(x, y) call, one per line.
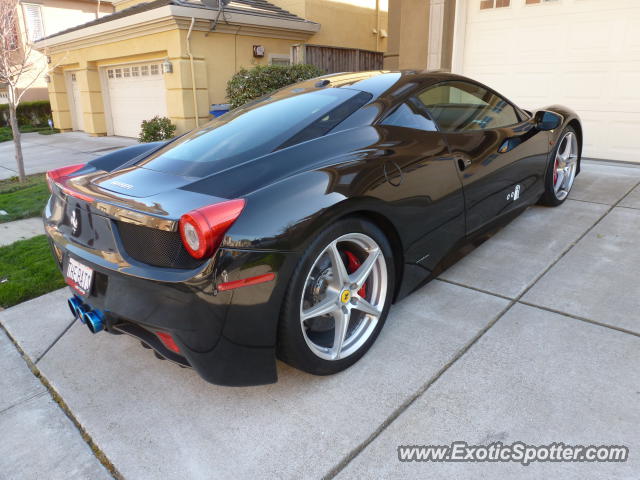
point(463, 163)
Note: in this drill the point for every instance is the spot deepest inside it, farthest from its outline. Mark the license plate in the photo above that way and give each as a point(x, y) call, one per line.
point(79, 276)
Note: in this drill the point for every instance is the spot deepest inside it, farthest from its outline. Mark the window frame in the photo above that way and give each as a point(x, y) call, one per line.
point(522, 115)
point(25, 14)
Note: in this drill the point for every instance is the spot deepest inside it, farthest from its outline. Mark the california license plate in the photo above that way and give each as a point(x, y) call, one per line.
point(79, 276)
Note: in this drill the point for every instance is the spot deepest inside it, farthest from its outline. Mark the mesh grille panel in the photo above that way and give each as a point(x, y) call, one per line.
point(155, 247)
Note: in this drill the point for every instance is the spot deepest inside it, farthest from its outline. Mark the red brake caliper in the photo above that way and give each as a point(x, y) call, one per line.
point(352, 265)
point(555, 172)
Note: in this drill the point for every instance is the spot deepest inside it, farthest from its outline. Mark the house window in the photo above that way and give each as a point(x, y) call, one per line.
point(33, 19)
point(144, 70)
point(135, 71)
point(487, 4)
point(110, 73)
point(283, 60)
point(155, 70)
point(118, 73)
point(125, 72)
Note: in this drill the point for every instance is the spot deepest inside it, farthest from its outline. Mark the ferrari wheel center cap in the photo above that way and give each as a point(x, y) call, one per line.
point(345, 296)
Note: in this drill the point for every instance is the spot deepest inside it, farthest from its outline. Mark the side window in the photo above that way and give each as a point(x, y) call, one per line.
point(411, 114)
point(461, 106)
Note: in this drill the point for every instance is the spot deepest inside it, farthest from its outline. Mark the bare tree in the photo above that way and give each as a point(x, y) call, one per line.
point(18, 71)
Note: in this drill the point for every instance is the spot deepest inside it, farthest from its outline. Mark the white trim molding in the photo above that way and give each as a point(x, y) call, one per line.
point(459, 36)
point(436, 31)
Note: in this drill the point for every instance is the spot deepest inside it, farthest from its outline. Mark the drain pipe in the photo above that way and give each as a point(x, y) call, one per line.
point(193, 75)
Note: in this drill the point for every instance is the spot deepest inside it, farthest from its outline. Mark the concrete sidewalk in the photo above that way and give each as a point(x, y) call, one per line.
point(46, 152)
point(20, 230)
point(533, 336)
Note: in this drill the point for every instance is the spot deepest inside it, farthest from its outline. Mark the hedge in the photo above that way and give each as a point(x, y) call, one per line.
point(35, 113)
point(247, 85)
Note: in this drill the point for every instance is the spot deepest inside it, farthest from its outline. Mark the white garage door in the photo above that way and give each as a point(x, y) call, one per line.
point(136, 93)
point(581, 53)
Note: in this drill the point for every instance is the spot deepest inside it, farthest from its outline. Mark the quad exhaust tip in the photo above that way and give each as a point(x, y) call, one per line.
point(93, 319)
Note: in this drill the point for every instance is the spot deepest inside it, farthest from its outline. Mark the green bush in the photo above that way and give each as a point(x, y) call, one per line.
point(156, 129)
point(35, 113)
point(247, 85)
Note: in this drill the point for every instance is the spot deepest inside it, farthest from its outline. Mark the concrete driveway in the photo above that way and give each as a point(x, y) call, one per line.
point(533, 336)
point(46, 152)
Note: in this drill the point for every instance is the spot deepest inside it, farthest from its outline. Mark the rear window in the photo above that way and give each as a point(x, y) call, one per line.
point(255, 130)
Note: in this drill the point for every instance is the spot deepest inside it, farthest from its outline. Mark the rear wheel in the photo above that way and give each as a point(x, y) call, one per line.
point(562, 169)
point(338, 298)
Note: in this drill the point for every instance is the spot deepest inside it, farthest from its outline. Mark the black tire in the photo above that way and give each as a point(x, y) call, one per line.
point(549, 197)
point(292, 347)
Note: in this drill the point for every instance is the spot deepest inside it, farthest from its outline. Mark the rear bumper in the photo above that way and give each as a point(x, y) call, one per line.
point(228, 337)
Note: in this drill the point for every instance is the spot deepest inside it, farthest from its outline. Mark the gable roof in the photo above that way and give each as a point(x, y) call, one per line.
point(252, 7)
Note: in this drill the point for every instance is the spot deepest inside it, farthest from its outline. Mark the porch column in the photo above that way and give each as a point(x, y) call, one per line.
point(60, 112)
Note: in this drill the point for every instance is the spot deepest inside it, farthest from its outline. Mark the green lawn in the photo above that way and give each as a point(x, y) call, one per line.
point(27, 270)
point(6, 135)
point(23, 200)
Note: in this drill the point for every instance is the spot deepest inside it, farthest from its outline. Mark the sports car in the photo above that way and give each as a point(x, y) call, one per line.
point(287, 227)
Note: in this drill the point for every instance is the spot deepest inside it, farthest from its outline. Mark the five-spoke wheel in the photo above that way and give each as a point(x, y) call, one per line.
point(338, 298)
point(562, 170)
point(343, 296)
point(565, 166)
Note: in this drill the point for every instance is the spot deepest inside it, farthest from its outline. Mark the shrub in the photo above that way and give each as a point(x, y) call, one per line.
point(156, 129)
point(35, 113)
point(246, 84)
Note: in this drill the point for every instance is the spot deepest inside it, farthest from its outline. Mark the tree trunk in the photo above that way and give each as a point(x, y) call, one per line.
point(15, 130)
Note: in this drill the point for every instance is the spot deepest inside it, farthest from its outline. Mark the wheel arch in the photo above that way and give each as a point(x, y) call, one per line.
point(390, 231)
point(577, 126)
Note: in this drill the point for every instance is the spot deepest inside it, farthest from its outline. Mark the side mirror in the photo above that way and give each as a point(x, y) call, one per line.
point(546, 120)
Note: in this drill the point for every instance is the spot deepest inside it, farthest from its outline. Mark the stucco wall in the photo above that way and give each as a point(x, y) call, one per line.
point(344, 23)
point(217, 56)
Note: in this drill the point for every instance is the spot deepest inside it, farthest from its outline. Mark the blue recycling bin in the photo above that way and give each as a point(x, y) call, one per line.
point(219, 109)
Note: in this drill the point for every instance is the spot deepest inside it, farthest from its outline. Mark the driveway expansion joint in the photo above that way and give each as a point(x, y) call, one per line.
point(46, 350)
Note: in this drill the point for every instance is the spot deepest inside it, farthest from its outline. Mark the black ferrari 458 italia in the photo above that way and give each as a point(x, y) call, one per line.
point(287, 227)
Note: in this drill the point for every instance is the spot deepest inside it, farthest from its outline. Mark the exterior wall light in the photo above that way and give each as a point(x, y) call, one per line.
point(167, 66)
point(47, 78)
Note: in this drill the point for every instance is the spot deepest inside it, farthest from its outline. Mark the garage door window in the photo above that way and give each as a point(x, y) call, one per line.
point(535, 2)
point(461, 106)
point(488, 4)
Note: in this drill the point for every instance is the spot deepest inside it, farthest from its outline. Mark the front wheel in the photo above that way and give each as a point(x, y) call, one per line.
point(338, 298)
point(562, 169)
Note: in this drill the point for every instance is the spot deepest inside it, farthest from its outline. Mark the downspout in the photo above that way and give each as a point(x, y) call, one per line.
point(377, 25)
point(193, 75)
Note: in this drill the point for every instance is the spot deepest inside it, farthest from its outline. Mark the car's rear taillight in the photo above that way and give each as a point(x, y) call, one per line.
point(203, 229)
point(59, 175)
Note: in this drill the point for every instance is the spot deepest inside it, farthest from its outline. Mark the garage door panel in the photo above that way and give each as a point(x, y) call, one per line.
point(581, 53)
point(135, 93)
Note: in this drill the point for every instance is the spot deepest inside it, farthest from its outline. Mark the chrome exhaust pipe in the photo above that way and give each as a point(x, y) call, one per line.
point(93, 320)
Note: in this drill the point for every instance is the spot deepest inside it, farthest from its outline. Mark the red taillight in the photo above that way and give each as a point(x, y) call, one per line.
point(203, 229)
point(168, 341)
point(59, 177)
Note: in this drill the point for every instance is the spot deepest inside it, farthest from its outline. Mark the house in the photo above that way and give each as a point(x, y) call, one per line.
point(39, 18)
point(581, 53)
point(174, 57)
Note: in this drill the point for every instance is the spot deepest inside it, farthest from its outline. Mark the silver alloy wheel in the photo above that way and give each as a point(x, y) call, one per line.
point(565, 166)
point(341, 307)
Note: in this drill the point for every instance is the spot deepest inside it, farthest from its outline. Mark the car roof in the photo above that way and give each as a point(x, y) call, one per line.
point(378, 82)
